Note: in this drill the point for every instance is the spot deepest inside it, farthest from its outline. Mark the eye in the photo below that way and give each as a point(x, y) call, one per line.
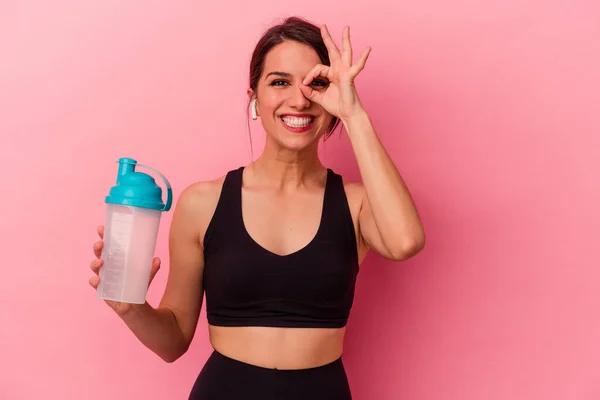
point(319, 82)
point(278, 82)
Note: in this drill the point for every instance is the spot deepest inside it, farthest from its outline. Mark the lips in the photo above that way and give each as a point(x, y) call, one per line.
point(297, 121)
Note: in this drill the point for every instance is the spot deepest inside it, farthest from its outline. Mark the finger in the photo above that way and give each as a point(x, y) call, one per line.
point(360, 64)
point(346, 47)
point(96, 265)
point(318, 70)
point(311, 94)
point(100, 231)
point(154, 269)
point(334, 52)
point(94, 282)
point(155, 265)
point(97, 247)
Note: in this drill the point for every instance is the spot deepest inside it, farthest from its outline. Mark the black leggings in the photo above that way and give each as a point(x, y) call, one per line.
point(223, 378)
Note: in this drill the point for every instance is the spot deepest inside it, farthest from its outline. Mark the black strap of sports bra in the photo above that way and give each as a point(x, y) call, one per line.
point(335, 212)
point(225, 218)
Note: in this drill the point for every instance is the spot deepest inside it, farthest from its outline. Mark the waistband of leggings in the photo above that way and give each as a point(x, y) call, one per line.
point(331, 364)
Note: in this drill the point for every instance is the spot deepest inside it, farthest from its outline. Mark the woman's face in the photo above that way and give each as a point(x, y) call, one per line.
point(289, 118)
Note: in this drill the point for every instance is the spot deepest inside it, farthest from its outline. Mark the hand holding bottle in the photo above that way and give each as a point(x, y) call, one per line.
point(125, 262)
point(119, 307)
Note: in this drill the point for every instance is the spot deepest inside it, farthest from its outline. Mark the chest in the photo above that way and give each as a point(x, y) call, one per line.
point(282, 223)
point(299, 248)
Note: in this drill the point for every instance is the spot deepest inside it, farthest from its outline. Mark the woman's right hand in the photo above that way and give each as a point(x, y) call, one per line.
point(119, 307)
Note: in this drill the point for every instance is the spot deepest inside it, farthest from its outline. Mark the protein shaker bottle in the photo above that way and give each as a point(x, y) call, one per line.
point(133, 210)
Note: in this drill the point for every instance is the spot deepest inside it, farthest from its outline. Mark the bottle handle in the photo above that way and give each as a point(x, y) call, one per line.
point(169, 195)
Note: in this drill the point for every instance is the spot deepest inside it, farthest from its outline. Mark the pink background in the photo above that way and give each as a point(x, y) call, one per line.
point(491, 112)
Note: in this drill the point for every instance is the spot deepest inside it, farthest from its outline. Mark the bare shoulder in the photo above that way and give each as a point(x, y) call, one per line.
point(355, 192)
point(198, 195)
point(197, 203)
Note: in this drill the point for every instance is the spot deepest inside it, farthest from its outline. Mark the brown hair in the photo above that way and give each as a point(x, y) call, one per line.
point(291, 29)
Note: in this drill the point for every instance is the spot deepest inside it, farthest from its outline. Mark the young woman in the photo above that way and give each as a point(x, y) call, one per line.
point(276, 246)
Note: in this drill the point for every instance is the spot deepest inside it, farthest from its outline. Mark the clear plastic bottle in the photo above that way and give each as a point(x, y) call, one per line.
point(133, 211)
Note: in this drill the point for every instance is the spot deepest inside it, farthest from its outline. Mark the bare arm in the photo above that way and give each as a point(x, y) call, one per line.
point(388, 219)
point(168, 329)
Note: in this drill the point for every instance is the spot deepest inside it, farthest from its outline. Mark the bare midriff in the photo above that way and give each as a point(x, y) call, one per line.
point(280, 348)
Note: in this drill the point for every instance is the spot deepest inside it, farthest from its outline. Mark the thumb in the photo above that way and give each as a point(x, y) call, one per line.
point(154, 269)
point(311, 94)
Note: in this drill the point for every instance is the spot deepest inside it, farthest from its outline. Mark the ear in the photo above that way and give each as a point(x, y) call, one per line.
point(252, 96)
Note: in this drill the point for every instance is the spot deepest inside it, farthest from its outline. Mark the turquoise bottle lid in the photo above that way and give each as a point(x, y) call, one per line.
point(138, 189)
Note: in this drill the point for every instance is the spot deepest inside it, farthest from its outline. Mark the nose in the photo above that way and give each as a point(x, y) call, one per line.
point(297, 99)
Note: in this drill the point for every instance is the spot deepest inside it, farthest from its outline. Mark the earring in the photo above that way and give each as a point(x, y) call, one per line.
point(253, 109)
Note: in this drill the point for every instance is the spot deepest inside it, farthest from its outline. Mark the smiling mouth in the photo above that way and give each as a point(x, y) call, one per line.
point(297, 122)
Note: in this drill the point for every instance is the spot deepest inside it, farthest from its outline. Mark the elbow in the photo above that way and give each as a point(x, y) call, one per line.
point(408, 248)
point(174, 354)
point(171, 357)
point(168, 358)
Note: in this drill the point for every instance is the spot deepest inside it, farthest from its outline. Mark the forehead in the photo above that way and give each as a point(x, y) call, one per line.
point(291, 57)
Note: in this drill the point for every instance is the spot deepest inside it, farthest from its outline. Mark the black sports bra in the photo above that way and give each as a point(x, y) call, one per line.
point(247, 285)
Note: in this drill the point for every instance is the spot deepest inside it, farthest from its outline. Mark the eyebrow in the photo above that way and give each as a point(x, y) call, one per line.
point(279, 73)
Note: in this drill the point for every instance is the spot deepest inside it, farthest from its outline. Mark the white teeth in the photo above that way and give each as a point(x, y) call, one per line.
point(296, 122)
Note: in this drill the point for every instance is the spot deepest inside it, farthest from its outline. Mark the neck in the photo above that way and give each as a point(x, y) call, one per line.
point(284, 168)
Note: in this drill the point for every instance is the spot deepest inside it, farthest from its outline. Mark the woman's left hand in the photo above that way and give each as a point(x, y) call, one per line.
point(339, 98)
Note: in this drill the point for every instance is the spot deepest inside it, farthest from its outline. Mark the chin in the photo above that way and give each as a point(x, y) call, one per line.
point(295, 143)
point(299, 136)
